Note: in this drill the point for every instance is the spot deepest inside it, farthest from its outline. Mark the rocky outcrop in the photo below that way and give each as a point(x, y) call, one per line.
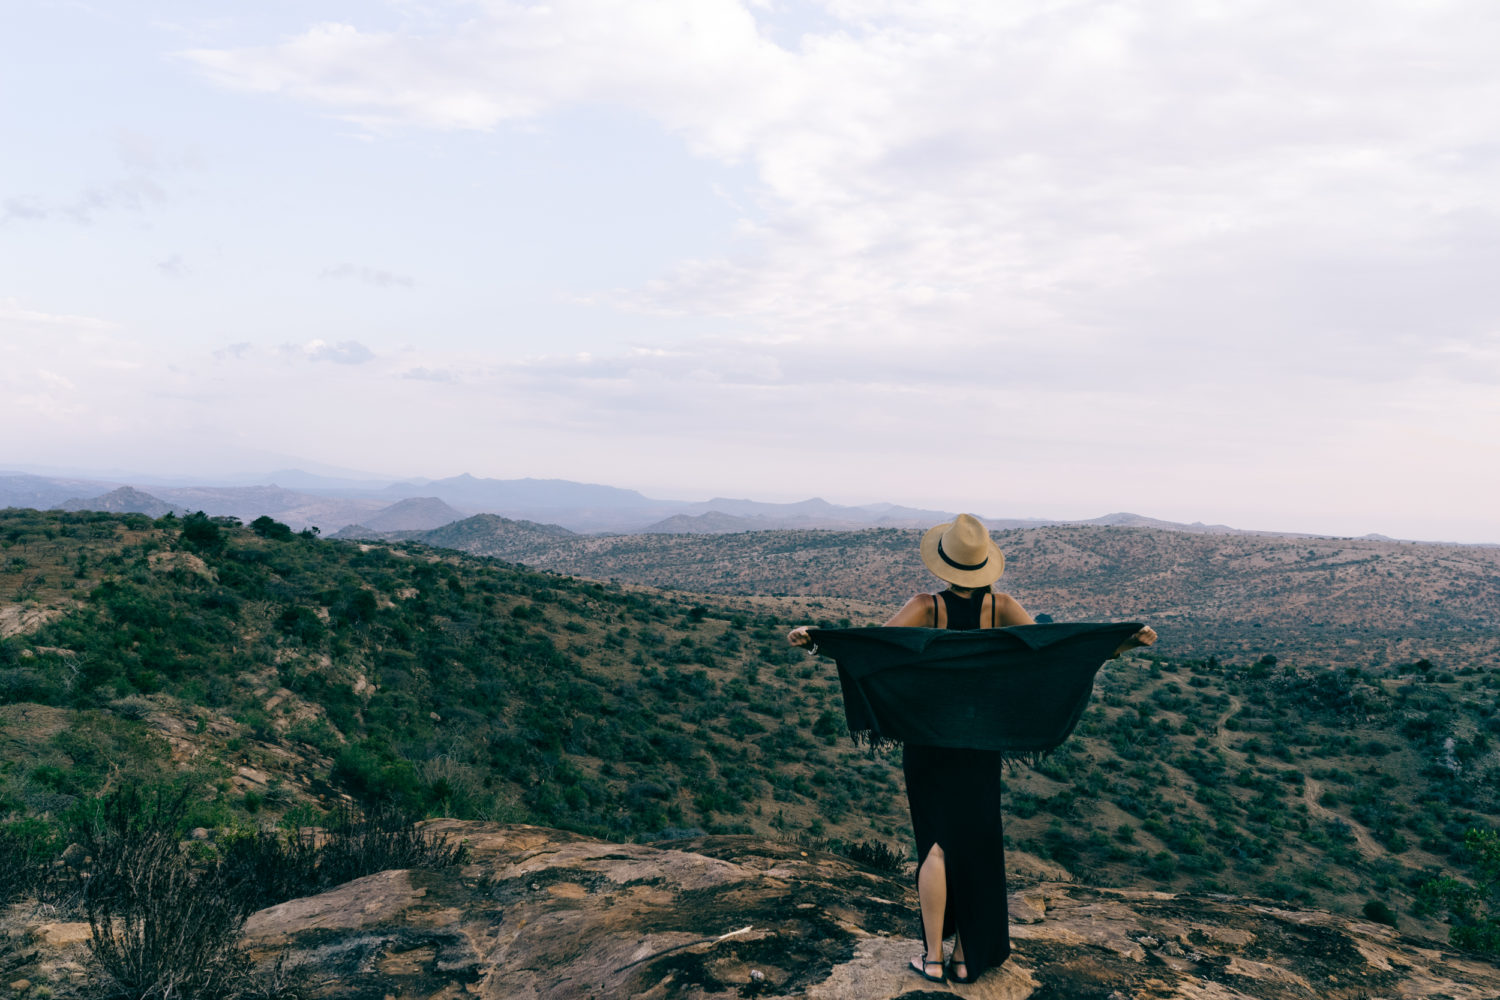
point(19, 619)
point(543, 914)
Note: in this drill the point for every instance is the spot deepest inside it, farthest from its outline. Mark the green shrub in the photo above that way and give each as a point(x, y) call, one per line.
point(1163, 865)
point(27, 848)
point(203, 533)
point(266, 527)
point(1379, 912)
point(1473, 905)
point(373, 774)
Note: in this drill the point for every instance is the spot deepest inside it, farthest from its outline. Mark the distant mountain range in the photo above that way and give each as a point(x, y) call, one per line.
point(357, 508)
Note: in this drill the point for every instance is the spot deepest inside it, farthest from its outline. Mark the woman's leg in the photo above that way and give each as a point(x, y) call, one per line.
point(960, 968)
point(923, 769)
point(932, 893)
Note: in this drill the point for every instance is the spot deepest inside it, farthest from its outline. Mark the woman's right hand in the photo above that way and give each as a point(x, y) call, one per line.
point(1145, 637)
point(799, 637)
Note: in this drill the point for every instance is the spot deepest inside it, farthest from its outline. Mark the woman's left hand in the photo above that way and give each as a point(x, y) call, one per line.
point(799, 637)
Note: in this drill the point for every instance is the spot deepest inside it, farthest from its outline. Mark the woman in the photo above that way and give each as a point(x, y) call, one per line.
point(954, 794)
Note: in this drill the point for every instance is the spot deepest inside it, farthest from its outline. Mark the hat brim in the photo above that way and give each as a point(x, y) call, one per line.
point(994, 564)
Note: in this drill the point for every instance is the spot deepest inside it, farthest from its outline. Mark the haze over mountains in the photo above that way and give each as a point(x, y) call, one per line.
point(333, 505)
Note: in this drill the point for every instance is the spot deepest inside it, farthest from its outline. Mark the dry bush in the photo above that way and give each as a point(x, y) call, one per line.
point(270, 867)
point(163, 926)
point(159, 926)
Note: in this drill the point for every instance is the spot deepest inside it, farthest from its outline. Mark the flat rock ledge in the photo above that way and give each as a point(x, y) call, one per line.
point(541, 913)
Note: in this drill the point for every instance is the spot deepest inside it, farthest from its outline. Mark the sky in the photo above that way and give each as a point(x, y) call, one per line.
point(1223, 261)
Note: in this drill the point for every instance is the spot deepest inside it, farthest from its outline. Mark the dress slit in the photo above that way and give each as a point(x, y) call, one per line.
point(955, 801)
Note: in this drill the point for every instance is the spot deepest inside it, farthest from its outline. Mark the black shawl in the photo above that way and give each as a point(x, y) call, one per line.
point(1017, 690)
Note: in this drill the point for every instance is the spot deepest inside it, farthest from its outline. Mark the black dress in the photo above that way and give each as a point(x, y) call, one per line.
point(954, 795)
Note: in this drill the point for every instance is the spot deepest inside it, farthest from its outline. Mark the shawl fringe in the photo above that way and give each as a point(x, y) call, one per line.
point(1008, 758)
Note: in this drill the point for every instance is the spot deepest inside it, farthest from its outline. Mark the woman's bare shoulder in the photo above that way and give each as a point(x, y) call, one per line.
point(1008, 610)
point(916, 611)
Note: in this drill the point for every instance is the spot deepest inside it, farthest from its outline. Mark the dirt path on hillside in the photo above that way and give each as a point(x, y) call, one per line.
point(1312, 790)
point(1221, 735)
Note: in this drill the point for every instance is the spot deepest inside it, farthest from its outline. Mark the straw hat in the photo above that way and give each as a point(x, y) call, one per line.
point(962, 553)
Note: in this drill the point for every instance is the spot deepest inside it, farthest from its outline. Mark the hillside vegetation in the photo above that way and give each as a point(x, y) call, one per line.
point(275, 675)
point(1357, 602)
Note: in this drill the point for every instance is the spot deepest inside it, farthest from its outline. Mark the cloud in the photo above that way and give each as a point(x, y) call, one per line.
point(149, 167)
point(138, 150)
point(345, 352)
point(514, 62)
point(135, 194)
point(430, 375)
point(26, 209)
point(53, 380)
point(174, 266)
point(988, 172)
point(65, 376)
point(256, 358)
point(369, 275)
point(14, 317)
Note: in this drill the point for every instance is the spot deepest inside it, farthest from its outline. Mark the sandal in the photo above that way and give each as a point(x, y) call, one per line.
point(952, 971)
point(921, 969)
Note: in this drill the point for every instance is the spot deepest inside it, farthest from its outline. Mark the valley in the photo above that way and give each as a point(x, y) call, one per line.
point(1325, 759)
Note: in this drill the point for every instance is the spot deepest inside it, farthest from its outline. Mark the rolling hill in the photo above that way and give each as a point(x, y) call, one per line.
point(126, 499)
point(275, 675)
point(412, 514)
